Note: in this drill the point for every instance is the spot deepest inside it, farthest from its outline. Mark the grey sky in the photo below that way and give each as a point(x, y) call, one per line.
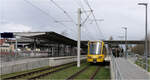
point(19, 15)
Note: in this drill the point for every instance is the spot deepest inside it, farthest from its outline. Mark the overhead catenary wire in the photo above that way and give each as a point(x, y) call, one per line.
point(86, 15)
point(47, 14)
point(64, 11)
point(86, 1)
point(82, 7)
point(85, 19)
point(83, 24)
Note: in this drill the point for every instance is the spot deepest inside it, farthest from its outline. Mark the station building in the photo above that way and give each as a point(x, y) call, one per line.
point(51, 43)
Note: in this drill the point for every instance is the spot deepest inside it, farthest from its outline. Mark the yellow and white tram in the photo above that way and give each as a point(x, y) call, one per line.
point(96, 51)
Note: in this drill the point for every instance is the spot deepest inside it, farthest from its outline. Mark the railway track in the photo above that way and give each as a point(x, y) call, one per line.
point(49, 70)
point(83, 70)
point(94, 74)
point(77, 73)
point(90, 71)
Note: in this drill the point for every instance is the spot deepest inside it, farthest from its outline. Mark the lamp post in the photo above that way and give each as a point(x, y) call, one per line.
point(146, 38)
point(125, 28)
point(121, 38)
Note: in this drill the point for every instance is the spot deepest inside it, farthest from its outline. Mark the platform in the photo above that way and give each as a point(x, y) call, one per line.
point(130, 71)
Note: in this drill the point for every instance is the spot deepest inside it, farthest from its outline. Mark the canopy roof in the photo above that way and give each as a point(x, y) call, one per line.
point(55, 38)
point(48, 37)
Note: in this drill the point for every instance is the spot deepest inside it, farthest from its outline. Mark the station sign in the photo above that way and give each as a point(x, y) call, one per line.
point(7, 35)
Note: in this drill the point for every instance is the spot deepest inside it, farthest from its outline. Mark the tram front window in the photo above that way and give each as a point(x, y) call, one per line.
point(95, 48)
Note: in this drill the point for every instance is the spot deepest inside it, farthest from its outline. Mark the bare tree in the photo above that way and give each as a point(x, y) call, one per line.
point(138, 49)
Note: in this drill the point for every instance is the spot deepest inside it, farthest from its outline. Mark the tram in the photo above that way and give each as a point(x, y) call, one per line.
point(96, 51)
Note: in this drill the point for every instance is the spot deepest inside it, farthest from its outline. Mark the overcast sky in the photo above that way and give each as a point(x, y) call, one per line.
point(41, 15)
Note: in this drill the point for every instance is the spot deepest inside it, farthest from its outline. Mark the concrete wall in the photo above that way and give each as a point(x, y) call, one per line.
point(31, 64)
point(63, 60)
point(16, 67)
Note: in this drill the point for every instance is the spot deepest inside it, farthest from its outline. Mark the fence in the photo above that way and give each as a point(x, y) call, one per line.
point(139, 60)
point(115, 69)
point(13, 56)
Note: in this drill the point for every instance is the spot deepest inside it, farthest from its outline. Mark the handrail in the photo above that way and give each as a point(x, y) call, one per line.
point(115, 68)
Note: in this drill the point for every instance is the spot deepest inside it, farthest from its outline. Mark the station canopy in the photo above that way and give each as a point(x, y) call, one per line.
point(48, 37)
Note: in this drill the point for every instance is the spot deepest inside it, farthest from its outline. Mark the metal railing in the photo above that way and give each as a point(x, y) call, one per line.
point(115, 68)
point(13, 56)
point(139, 60)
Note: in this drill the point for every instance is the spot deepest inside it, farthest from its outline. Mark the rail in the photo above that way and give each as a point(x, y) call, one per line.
point(77, 73)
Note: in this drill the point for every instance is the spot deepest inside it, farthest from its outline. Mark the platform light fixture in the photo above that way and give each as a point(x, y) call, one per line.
point(146, 37)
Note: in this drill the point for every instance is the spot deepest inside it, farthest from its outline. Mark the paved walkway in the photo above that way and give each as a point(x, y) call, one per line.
point(130, 71)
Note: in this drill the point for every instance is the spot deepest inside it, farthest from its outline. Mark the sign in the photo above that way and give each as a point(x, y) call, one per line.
point(7, 35)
